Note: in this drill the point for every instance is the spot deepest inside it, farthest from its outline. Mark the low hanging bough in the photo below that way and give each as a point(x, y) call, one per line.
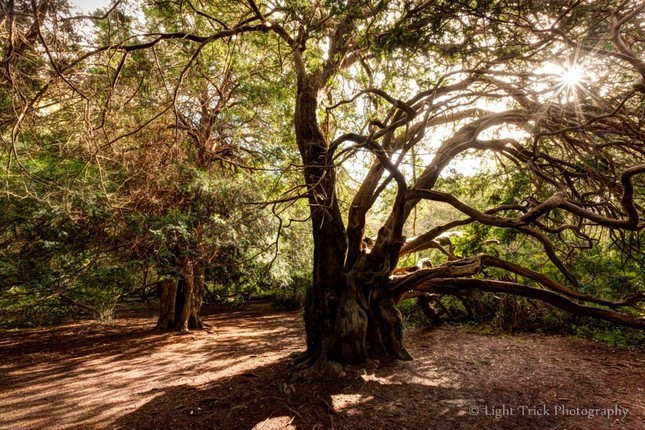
point(457, 278)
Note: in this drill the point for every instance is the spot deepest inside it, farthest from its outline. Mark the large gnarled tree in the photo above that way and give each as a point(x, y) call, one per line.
point(527, 83)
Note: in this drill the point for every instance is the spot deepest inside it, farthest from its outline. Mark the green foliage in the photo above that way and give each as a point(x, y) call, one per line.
point(412, 314)
point(601, 331)
point(24, 308)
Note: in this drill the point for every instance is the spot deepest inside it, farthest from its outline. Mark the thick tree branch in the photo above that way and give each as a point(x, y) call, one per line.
point(457, 286)
point(473, 265)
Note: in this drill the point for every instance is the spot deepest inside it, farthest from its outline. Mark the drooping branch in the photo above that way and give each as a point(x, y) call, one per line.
point(457, 278)
point(491, 261)
point(465, 138)
point(393, 101)
point(125, 47)
point(549, 249)
point(631, 222)
point(461, 285)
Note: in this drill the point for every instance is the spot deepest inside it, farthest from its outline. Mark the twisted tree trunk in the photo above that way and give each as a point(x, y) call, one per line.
point(344, 325)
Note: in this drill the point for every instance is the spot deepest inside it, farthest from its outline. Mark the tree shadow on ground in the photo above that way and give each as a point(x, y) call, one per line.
point(268, 398)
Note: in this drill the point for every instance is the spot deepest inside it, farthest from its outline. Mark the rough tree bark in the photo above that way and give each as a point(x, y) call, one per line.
point(167, 304)
point(328, 230)
point(181, 299)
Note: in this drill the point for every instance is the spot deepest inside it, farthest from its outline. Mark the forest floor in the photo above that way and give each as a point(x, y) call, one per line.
point(237, 375)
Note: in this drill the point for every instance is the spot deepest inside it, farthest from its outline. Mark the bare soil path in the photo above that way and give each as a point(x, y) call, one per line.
point(236, 375)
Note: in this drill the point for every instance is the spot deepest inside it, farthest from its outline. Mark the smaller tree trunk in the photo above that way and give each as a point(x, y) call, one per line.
point(169, 289)
point(195, 319)
point(189, 286)
point(181, 299)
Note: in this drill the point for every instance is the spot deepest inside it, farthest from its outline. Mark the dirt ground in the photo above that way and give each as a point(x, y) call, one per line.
point(237, 375)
